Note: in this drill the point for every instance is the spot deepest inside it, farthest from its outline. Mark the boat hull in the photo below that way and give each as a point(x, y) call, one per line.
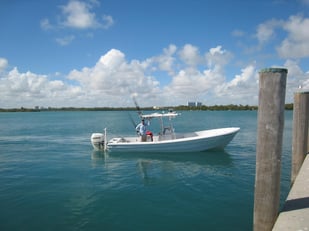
point(191, 142)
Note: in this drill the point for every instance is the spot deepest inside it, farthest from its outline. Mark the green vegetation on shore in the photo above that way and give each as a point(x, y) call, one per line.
point(230, 107)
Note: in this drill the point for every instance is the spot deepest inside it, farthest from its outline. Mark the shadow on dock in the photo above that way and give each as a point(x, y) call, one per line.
point(296, 204)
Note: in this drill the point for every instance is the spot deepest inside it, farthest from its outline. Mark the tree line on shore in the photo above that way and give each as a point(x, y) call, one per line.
point(230, 107)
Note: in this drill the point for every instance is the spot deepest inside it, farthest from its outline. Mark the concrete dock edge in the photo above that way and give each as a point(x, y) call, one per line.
point(295, 213)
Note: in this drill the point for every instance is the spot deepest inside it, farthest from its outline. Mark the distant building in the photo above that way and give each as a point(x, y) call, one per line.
point(191, 104)
point(194, 104)
point(198, 104)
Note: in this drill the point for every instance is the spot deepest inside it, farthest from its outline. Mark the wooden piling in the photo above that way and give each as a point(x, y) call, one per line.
point(272, 85)
point(300, 144)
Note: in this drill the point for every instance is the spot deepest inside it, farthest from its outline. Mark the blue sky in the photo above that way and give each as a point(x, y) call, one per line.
point(165, 52)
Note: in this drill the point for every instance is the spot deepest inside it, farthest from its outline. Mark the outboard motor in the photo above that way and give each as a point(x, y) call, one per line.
point(97, 141)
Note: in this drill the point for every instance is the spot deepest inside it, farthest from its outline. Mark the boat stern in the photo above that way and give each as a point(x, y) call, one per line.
point(97, 141)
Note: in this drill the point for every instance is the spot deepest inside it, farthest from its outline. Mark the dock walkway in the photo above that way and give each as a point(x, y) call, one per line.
point(295, 213)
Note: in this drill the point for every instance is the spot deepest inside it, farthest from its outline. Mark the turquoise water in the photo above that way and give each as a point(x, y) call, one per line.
point(52, 179)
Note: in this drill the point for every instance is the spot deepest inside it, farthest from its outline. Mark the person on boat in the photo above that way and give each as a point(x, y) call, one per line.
point(142, 131)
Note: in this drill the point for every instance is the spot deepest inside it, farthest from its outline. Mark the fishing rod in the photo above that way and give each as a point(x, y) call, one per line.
point(132, 120)
point(139, 112)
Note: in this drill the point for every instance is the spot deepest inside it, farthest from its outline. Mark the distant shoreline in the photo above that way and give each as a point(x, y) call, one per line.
point(230, 107)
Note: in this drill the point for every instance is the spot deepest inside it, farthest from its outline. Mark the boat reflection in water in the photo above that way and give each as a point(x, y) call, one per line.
point(165, 167)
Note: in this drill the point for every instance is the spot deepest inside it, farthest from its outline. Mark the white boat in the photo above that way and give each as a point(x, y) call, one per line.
point(167, 140)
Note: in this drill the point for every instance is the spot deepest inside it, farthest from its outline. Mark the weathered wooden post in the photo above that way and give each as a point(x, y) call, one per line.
point(269, 147)
point(300, 131)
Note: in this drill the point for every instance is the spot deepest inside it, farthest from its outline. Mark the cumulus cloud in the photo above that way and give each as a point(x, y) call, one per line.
point(242, 87)
point(113, 79)
point(217, 58)
point(3, 64)
point(305, 84)
point(166, 61)
point(189, 82)
point(194, 83)
point(297, 78)
point(266, 31)
point(108, 21)
point(29, 89)
point(189, 54)
point(296, 44)
point(247, 74)
point(78, 15)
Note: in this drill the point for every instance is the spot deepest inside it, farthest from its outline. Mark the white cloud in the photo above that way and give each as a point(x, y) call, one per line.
point(65, 40)
point(79, 15)
point(190, 82)
point(242, 89)
point(166, 61)
point(189, 54)
point(266, 31)
point(30, 89)
point(296, 79)
point(305, 84)
point(217, 58)
point(296, 44)
point(3, 64)
point(108, 21)
point(247, 74)
point(113, 79)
